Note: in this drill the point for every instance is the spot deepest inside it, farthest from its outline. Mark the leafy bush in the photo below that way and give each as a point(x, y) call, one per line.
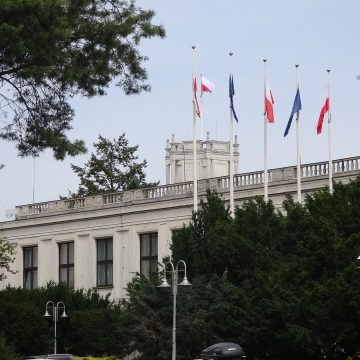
point(6, 352)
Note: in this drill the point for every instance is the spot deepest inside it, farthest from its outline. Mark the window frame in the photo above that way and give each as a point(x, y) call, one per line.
point(30, 269)
point(107, 262)
point(149, 258)
point(67, 265)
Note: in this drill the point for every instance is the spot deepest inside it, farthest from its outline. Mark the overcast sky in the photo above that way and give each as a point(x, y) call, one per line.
point(317, 34)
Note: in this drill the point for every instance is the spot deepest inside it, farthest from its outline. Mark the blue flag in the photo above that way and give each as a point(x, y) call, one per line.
point(296, 108)
point(231, 95)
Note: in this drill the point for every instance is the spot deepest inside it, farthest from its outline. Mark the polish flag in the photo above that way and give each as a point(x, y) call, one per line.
point(323, 111)
point(206, 85)
point(195, 100)
point(269, 102)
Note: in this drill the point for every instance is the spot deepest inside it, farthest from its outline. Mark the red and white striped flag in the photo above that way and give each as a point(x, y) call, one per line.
point(195, 100)
point(206, 85)
point(323, 111)
point(269, 102)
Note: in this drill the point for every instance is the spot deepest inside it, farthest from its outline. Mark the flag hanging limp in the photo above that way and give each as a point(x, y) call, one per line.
point(269, 102)
point(323, 111)
point(231, 95)
point(295, 109)
point(195, 100)
point(206, 85)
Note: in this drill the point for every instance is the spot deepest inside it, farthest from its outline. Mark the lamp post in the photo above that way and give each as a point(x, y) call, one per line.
point(54, 313)
point(174, 270)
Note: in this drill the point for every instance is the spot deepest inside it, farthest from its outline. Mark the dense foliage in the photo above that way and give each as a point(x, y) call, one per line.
point(7, 352)
point(112, 168)
point(282, 284)
point(7, 256)
point(92, 327)
point(51, 50)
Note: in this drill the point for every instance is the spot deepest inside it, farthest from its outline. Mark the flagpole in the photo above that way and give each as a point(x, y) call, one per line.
point(194, 136)
point(298, 168)
point(329, 135)
point(231, 167)
point(266, 196)
point(201, 108)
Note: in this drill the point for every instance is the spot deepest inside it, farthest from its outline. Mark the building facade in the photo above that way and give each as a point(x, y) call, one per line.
point(99, 242)
point(213, 159)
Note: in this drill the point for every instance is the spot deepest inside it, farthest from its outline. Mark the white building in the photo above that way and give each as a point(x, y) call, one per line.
point(100, 241)
point(213, 159)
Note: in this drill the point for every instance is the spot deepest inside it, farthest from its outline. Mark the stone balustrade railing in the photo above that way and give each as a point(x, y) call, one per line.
point(221, 184)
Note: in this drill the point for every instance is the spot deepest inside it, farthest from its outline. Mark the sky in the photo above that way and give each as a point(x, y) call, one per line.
point(316, 34)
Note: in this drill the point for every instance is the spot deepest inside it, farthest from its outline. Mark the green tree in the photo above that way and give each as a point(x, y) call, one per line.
point(295, 270)
point(202, 240)
point(7, 256)
point(209, 311)
point(52, 50)
point(7, 352)
point(112, 168)
point(148, 318)
point(91, 328)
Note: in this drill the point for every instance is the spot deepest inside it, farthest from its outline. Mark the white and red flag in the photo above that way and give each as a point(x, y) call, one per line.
point(323, 111)
point(206, 85)
point(195, 100)
point(269, 102)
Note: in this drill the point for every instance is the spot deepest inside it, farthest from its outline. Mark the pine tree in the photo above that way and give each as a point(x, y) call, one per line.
point(51, 50)
point(113, 167)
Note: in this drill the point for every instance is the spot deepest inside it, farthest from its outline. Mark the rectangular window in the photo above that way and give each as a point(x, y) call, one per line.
point(148, 253)
point(104, 262)
point(30, 267)
point(66, 263)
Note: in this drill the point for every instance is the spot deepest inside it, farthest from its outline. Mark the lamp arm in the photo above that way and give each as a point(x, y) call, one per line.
point(182, 262)
point(172, 268)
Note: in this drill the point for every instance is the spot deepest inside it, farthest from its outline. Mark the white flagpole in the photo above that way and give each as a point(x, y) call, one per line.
point(231, 167)
point(298, 170)
point(34, 178)
point(266, 196)
point(201, 109)
point(330, 136)
point(194, 134)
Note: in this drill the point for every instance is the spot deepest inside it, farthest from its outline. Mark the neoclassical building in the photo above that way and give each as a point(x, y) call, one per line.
point(99, 242)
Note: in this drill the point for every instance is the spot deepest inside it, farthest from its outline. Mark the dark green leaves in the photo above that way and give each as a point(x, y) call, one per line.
point(112, 168)
point(51, 50)
point(282, 284)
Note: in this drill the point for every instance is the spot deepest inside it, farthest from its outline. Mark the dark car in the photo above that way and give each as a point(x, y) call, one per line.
point(356, 356)
point(224, 350)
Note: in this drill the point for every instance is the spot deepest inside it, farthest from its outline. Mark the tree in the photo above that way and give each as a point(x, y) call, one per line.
point(112, 168)
point(92, 327)
point(207, 312)
point(51, 50)
point(6, 352)
point(7, 256)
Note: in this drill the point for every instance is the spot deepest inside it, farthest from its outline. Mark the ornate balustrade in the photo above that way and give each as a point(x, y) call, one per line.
point(221, 184)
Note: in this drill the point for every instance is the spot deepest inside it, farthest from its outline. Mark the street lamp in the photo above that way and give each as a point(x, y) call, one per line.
point(174, 270)
point(55, 309)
